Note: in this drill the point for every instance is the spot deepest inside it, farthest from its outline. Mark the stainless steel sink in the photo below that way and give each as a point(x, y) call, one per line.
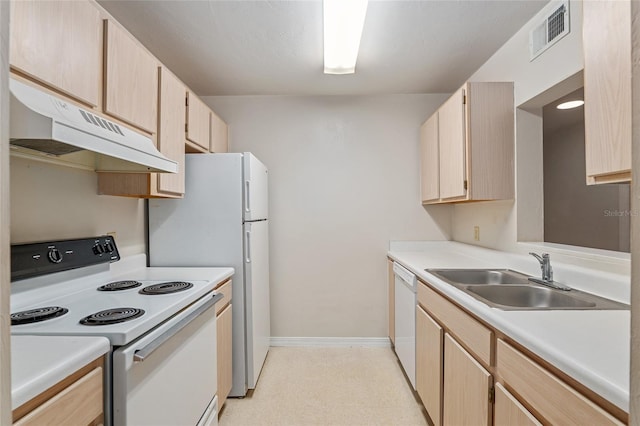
point(480, 276)
point(511, 290)
point(511, 297)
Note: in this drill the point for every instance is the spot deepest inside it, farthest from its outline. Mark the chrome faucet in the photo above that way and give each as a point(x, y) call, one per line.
point(547, 273)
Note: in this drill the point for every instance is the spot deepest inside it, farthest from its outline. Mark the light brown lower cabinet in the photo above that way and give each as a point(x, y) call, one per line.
point(224, 342)
point(458, 356)
point(557, 402)
point(429, 353)
point(467, 386)
point(509, 411)
point(76, 400)
point(225, 374)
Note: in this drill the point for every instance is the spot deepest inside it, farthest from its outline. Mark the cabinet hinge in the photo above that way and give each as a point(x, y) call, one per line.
point(464, 99)
point(186, 128)
point(466, 185)
point(492, 394)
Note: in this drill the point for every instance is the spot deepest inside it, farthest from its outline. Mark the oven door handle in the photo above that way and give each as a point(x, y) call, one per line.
point(140, 354)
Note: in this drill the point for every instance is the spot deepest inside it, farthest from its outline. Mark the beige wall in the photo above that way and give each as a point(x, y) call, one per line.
point(343, 182)
point(50, 202)
point(503, 224)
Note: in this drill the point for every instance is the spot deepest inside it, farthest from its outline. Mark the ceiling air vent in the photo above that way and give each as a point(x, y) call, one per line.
point(553, 26)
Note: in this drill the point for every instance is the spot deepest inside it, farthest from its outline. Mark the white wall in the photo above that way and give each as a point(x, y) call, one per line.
point(343, 182)
point(501, 224)
point(50, 202)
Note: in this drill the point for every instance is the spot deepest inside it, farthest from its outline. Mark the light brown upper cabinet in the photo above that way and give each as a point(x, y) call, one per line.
point(170, 142)
point(59, 44)
point(474, 153)
point(131, 79)
point(607, 90)
point(219, 135)
point(171, 120)
point(430, 160)
point(198, 124)
point(452, 151)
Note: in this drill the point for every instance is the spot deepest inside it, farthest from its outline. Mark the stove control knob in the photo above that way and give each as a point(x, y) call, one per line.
point(109, 246)
point(54, 255)
point(98, 249)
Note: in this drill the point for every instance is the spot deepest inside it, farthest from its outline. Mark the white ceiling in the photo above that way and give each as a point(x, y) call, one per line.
point(275, 47)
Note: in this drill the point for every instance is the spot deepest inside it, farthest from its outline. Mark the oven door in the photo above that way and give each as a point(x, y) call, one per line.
point(169, 375)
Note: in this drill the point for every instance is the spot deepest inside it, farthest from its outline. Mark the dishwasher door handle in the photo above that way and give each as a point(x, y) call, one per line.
point(404, 274)
point(140, 354)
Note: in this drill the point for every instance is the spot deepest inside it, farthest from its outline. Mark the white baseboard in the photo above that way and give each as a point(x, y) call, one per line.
point(328, 342)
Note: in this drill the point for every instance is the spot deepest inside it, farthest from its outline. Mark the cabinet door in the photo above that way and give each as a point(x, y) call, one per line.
point(224, 342)
point(198, 122)
point(219, 134)
point(429, 352)
point(59, 44)
point(172, 116)
point(429, 160)
point(509, 412)
point(607, 90)
point(453, 165)
point(466, 387)
point(131, 80)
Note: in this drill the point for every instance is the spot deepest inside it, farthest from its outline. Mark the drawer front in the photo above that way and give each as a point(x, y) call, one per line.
point(225, 288)
point(553, 399)
point(475, 336)
point(78, 404)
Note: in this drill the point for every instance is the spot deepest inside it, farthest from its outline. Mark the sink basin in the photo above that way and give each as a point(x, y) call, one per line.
point(480, 276)
point(532, 297)
point(511, 290)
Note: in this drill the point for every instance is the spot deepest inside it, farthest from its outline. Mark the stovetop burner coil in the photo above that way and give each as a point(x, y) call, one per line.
point(112, 316)
point(37, 315)
point(120, 285)
point(166, 288)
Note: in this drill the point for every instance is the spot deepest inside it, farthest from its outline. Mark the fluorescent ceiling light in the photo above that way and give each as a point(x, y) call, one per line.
point(570, 104)
point(343, 22)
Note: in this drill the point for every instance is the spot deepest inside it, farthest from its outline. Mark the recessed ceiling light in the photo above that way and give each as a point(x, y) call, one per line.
point(570, 104)
point(343, 23)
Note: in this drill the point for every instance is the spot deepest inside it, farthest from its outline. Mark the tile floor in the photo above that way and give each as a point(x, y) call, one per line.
point(328, 387)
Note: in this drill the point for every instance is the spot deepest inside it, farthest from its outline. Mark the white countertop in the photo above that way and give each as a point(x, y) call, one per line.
point(39, 362)
point(593, 347)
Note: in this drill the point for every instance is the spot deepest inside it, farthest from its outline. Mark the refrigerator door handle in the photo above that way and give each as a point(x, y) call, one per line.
point(247, 196)
point(248, 234)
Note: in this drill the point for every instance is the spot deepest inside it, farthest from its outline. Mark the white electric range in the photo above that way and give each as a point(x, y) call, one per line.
point(160, 323)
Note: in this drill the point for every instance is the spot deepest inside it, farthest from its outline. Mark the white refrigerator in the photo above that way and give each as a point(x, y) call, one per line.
point(223, 221)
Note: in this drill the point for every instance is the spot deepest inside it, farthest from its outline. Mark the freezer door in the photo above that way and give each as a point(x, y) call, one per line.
point(255, 188)
point(258, 318)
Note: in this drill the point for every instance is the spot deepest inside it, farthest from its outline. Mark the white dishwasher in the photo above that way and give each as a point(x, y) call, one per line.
point(405, 320)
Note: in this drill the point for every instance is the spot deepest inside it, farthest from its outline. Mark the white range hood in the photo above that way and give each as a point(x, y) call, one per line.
point(47, 124)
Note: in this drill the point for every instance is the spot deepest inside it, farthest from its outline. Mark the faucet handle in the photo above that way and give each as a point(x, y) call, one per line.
point(537, 256)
